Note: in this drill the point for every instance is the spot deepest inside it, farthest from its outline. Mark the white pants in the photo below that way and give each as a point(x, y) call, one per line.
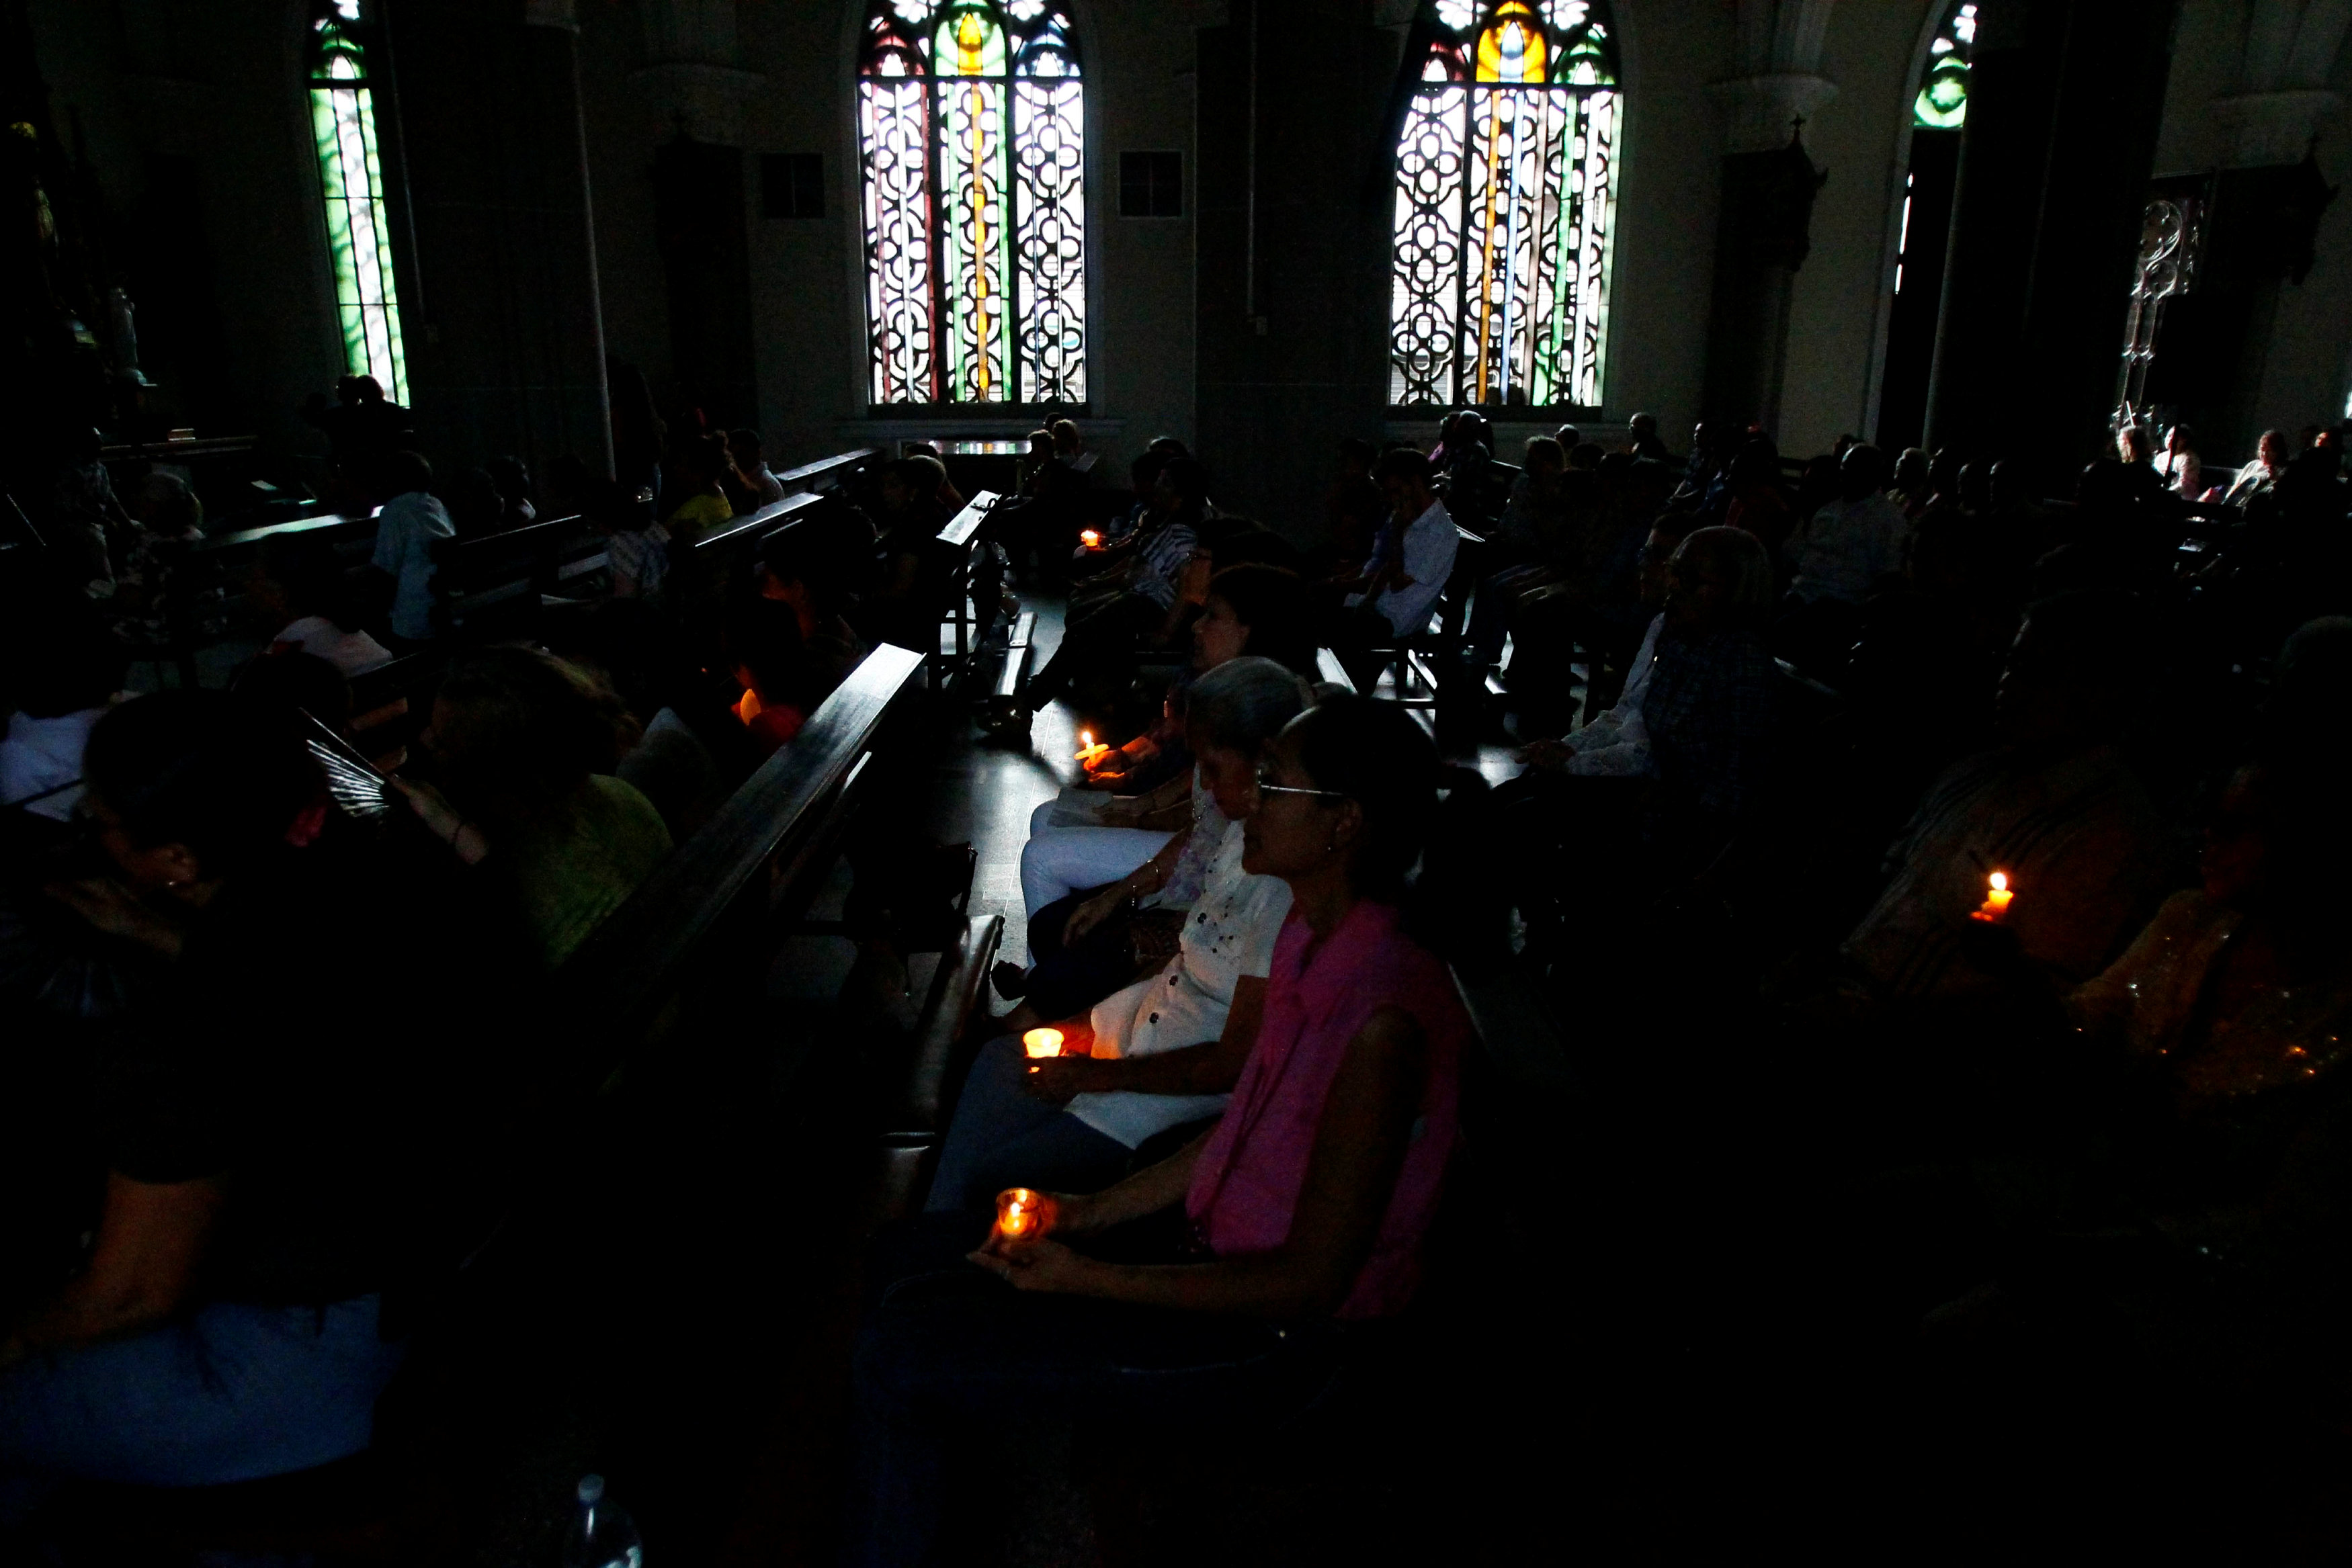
point(1057, 862)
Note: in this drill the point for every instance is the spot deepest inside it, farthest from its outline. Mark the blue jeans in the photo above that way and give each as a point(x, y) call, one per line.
point(1002, 1137)
point(232, 1393)
point(950, 1356)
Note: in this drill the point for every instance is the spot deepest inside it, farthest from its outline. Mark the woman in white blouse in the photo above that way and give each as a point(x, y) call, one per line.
point(1163, 1052)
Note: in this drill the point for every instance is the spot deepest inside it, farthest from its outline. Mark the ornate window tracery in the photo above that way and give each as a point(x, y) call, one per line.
point(971, 132)
point(1505, 206)
point(350, 175)
point(1943, 101)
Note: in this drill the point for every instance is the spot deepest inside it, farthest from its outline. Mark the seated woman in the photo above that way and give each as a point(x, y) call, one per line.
point(1309, 1200)
point(1261, 610)
point(1139, 604)
point(1166, 1048)
point(289, 1140)
point(302, 589)
point(522, 747)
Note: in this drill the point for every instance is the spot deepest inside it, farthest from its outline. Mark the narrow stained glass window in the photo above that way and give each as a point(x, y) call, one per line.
point(350, 171)
point(1505, 206)
point(972, 128)
point(1943, 101)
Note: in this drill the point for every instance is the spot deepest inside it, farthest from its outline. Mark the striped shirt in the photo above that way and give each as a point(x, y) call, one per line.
point(2085, 849)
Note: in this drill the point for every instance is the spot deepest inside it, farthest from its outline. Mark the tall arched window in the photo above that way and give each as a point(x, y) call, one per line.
point(1506, 205)
point(350, 173)
point(1938, 111)
point(972, 126)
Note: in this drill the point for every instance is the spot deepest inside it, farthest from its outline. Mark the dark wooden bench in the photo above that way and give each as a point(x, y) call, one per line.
point(970, 621)
point(493, 588)
point(827, 472)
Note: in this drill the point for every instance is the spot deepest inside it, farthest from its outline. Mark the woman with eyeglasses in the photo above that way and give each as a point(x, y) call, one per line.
point(1302, 1213)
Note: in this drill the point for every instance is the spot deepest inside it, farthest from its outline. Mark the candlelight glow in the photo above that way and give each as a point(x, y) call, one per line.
point(1997, 896)
point(1089, 538)
point(1019, 1211)
point(1043, 1043)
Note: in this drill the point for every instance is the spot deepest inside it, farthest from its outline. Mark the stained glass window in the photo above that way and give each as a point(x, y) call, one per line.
point(359, 231)
point(1506, 205)
point(1943, 101)
point(971, 128)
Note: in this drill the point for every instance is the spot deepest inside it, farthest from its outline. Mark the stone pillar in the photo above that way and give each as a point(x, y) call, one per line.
point(699, 91)
point(2065, 100)
point(1292, 287)
point(503, 326)
point(2264, 206)
point(1764, 214)
point(1762, 236)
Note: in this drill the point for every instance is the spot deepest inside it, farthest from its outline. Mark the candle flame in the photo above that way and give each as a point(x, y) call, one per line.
point(1090, 537)
point(1999, 881)
point(1043, 1043)
point(1086, 738)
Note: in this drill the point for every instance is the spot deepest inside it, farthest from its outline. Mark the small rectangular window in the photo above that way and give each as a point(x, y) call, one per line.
point(792, 185)
point(1151, 185)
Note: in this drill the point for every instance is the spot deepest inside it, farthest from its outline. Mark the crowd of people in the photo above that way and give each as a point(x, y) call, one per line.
point(1209, 1134)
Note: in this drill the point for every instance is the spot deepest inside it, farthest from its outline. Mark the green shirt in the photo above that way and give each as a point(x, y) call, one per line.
point(581, 862)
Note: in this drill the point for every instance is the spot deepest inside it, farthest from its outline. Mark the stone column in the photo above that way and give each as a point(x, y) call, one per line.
point(2065, 100)
point(2265, 205)
point(503, 327)
point(1291, 252)
point(699, 91)
point(1764, 214)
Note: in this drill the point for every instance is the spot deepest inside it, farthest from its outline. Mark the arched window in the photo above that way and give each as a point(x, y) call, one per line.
point(1943, 101)
point(972, 127)
point(1506, 205)
point(1938, 111)
point(350, 173)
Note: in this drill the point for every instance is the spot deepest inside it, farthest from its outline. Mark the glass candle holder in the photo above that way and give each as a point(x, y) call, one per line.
point(1041, 1042)
point(1022, 1212)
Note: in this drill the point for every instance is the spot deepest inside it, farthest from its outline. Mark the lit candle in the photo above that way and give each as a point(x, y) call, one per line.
point(1020, 1210)
point(1087, 749)
point(1090, 539)
point(1997, 897)
point(1043, 1043)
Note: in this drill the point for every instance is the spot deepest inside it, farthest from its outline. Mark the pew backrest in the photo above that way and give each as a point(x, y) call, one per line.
point(827, 471)
point(765, 840)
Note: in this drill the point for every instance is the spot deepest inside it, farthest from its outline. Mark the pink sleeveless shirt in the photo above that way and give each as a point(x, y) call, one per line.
point(1246, 1187)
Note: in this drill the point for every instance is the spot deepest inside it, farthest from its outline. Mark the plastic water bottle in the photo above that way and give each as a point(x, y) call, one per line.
point(602, 1536)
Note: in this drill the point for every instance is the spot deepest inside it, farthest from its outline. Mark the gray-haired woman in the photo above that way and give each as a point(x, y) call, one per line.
point(1164, 1051)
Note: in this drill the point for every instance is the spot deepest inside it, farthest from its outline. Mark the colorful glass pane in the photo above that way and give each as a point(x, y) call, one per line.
point(351, 177)
point(1943, 101)
point(1505, 198)
point(974, 204)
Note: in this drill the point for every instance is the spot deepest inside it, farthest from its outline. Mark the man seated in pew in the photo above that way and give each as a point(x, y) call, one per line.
point(1393, 604)
point(2056, 809)
point(406, 530)
point(750, 485)
point(791, 643)
point(293, 1150)
point(1161, 1052)
point(1304, 1210)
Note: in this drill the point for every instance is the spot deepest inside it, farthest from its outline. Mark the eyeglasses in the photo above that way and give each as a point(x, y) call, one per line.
point(1266, 786)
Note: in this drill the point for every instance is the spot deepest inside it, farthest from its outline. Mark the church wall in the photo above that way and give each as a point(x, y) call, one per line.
point(808, 311)
point(236, 318)
point(1838, 313)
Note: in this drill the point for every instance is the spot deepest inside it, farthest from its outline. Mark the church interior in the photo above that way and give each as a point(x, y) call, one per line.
point(1065, 782)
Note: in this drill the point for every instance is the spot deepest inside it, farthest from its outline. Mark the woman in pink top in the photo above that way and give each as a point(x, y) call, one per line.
point(1305, 1205)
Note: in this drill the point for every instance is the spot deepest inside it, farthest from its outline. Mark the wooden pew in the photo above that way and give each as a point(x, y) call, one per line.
point(827, 472)
point(689, 932)
point(491, 589)
point(961, 534)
